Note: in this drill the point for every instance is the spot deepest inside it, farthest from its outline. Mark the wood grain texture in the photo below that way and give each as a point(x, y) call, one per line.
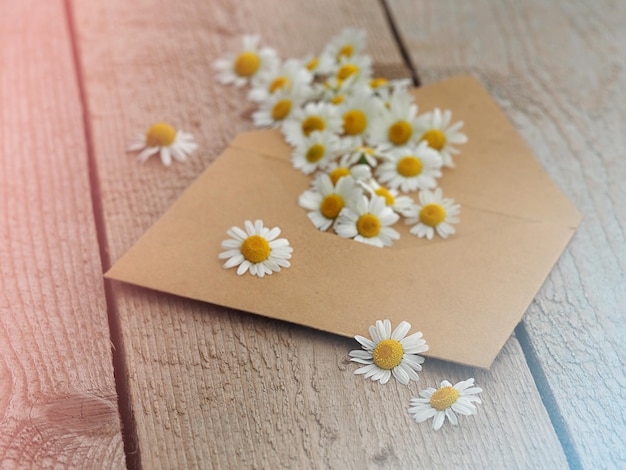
point(58, 405)
point(559, 71)
point(216, 388)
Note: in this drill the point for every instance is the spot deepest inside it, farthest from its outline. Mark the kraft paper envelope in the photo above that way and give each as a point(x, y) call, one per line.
point(466, 293)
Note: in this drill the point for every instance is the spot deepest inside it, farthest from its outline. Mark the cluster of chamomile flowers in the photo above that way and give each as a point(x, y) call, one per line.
point(360, 137)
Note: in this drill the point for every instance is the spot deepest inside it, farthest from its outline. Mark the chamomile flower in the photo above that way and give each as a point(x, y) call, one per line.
point(445, 402)
point(358, 172)
point(434, 213)
point(315, 151)
point(403, 205)
point(247, 65)
point(326, 200)
point(368, 221)
point(346, 44)
point(362, 154)
point(313, 117)
point(390, 353)
point(289, 75)
point(395, 127)
point(358, 112)
point(357, 68)
point(278, 107)
point(257, 249)
point(435, 129)
point(164, 140)
point(411, 168)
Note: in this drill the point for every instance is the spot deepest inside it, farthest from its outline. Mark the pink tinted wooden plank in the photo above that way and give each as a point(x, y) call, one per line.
point(558, 70)
point(58, 403)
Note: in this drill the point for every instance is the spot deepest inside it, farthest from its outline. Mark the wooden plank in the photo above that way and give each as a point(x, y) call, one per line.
point(212, 387)
point(58, 403)
point(557, 69)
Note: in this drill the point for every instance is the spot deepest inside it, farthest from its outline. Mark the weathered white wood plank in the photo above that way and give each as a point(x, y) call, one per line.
point(212, 387)
point(58, 403)
point(559, 71)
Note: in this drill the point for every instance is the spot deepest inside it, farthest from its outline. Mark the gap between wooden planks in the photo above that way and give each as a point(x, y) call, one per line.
point(213, 387)
point(58, 403)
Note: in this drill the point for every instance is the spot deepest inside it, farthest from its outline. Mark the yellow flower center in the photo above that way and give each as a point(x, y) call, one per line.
point(346, 70)
point(432, 215)
point(160, 134)
point(312, 64)
point(246, 64)
point(255, 249)
point(331, 206)
point(376, 82)
point(388, 354)
point(338, 173)
point(279, 83)
point(354, 122)
point(368, 225)
point(436, 139)
point(400, 132)
point(444, 398)
point(345, 51)
point(313, 123)
point(409, 166)
point(389, 199)
point(315, 152)
point(281, 110)
point(337, 99)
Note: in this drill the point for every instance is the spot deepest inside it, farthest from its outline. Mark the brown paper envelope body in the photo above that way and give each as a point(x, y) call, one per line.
point(466, 293)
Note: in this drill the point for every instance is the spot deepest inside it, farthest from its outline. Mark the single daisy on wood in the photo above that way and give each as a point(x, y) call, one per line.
point(390, 353)
point(257, 249)
point(164, 140)
point(434, 214)
point(445, 402)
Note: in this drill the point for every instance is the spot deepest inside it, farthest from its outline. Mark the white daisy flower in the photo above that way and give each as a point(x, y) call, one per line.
point(326, 200)
point(257, 249)
point(444, 402)
point(362, 154)
point(315, 151)
point(390, 353)
point(358, 172)
point(403, 205)
point(435, 129)
point(349, 42)
point(357, 68)
point(368, 221)
point(318, 65)
point(313, 117)
point(395, 127)
point(434, 213)
point(289, 75)
point(279, 107)
point(164, 140)
point(411, 168)
point(244, 67)
point(358, 112)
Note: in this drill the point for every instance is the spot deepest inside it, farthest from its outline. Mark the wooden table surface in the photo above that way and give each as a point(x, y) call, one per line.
point(98, 374)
